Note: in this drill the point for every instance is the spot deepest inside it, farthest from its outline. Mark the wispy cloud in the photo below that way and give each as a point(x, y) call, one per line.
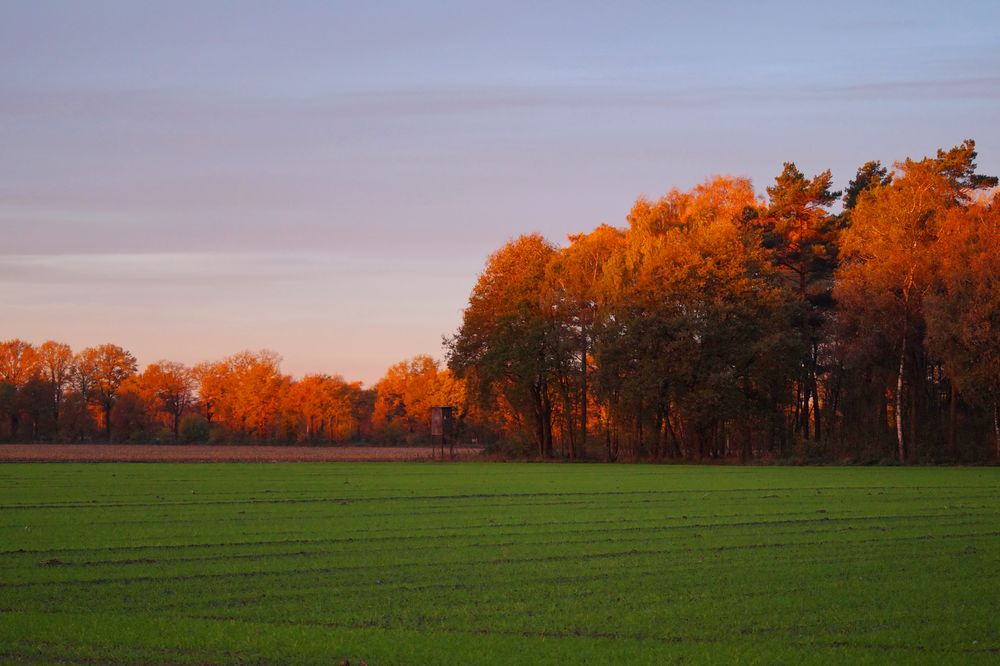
point(224, 107)
point(244, 269)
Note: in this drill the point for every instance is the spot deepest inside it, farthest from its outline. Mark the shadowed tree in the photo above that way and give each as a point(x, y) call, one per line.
point(18, 366)
point(56, 365)
point(134, 414)
point(171, 385)
point(890, 252)
point(695, 314)
point(963, 311)
point(869, 176)
point(571, 292)
point(505, 344)
point(801, 237)
point(958, 166)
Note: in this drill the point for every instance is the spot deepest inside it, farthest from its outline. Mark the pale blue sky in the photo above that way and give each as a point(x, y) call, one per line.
point(189, 179)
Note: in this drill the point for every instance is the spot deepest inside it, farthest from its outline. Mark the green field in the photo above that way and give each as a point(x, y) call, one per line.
point(497, 564)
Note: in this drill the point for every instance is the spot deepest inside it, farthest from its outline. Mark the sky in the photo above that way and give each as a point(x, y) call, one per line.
point(326, 179)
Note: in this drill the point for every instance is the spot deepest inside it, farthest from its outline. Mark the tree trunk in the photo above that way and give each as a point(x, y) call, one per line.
point(779, 433)
point(996, 428)
point(660, 434)
point(540, 434)
point(583, 399)
point(547, 433)
point(607, 436)
point(542, 410)
point(638, 445)
point(568, 440)
point(882, 420)
point(107, 422)
point(547, 424)
point(815, 393)
point(536, 417)
point(677, 453)
point(56, 399)
point(746, 450)
point(806, 376)
point(952, 444)
point(798, 408)
point(834, 423)
point(899, 398)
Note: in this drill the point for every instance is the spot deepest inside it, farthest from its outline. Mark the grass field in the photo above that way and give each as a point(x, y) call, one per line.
point(497, 564)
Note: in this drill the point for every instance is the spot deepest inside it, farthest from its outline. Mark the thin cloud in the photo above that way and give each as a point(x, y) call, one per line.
point(196, 105)
point(193, 268)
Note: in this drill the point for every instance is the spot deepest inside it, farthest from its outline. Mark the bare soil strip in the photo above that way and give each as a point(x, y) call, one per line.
point(223, 453)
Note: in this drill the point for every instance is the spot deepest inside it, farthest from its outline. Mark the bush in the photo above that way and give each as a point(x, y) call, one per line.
point(194, 428)
point(218, 434)
point(393, 433)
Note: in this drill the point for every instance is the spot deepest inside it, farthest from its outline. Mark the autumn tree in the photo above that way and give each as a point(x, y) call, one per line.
point(100, 372)
point(695, 314)
point(321, 407)
point(963, 312)
point(56, 366)
point(505, 344)
point(19, 364)
point(134, 416)
point(210, 378)
point(572, 294)
point(244, 393)
point(800, 235)
point(407, 392)
point(869, 176)
point(171, 388)
point(890, 258)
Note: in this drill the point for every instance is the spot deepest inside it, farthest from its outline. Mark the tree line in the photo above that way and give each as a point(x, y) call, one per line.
point(50, 393)
point(719, 324)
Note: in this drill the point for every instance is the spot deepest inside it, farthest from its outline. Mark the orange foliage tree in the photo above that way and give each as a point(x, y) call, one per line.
point(963, 311)
point(19, 364)
point(571, 292)
point(100, 372)
point(695, 328)
point(892, 252)
point(405, 395)
point(322, 408)
point(169, 388)
point(243, 393)
point(507, 340)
